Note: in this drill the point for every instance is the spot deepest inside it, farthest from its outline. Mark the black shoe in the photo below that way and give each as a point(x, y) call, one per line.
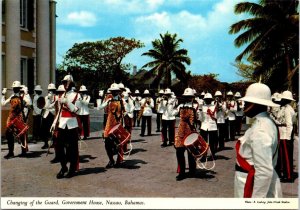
point(180, 177)
point(9, 155)
point(157, 130)
point(70, 174)
point(191, 174)
point(149, 134)
point(171, 144)
point(117, 165)
point(55, 160)
point(286, 180)
point(61, 173)
point(110, 164)
point(85, 138)
point(163, 145)
point(142, 135)
point(45, 146)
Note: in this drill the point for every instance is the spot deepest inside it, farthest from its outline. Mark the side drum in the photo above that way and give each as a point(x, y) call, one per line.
point(196, 145)
point(120, 133)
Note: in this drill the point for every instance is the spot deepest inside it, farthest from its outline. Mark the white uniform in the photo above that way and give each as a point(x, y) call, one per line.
point(36, 110)
point(231, 110)
point(49, 107)
point(147, 107)
point(221, 112)
point(167, 108)
point(208, 122)
point(84, 105)
point(129, 106)
point(258, 146)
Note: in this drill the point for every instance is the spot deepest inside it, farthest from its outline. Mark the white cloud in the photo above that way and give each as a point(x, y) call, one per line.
point(81, 18)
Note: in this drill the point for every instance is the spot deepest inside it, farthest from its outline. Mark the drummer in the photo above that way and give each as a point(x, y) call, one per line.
point(186, 125)
point(114, 116)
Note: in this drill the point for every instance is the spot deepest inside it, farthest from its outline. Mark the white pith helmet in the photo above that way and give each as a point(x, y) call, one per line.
point(68, 78)
point(287, 95)
point(229, 93)
point(38, 88)
point(258, 93)
point(51, 86)
point(194, 91)
point(203, 93)
point(82, 88)
point(237, 95)
point(121, 86)
point(61, 88)
point(161, 92)
point(16, 84)
point(24, 89)
point(207, 96)
point(168, 91)
point(114, 86)
point(146, 92)
point(218, 93)
point(136, 92)
point(188, 92)
point(276, 96)
point(127, 90)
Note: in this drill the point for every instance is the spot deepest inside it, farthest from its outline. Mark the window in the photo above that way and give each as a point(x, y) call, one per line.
point(24, 72)
point(3, 71)
point(23, 13)
point(3, 11)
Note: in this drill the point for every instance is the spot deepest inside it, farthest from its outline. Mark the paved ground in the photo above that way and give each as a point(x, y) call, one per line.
point(149, 171)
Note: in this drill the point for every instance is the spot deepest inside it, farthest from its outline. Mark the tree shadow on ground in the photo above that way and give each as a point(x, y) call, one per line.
point(33, 154)
point(95, 170)
point(132, 164)
point(86, 158)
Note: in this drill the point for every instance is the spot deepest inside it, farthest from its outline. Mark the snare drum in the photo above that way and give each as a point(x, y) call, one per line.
point(18, 127)
point(196, 145)
point(120, 133)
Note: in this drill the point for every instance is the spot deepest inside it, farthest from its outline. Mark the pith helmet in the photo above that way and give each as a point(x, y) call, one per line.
point(121, 86)
point(237, 95)
point(161, 92)
point(258, 93)
point(68, 78)
point(38, 88)
point(82, 88)
point(168, 91)
point(146, 92)
point(287, 95)
point(16, 84)
point(218, 93)
point(207, 96)
point(51, 86)
point(136, 92)
point(61, 88)
point(188, 92)
point(114, 86)
point(230, 93)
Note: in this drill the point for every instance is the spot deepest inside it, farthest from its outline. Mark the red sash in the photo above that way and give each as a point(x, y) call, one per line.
point(248, 189)
point(212, 113)
point(66, 112)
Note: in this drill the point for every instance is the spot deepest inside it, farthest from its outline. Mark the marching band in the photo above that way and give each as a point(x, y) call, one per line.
point(205, 124)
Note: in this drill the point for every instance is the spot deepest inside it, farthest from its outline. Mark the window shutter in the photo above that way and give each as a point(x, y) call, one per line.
point(30, 72)
point(30, 14)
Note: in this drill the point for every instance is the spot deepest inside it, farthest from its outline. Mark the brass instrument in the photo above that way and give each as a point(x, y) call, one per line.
point(147, 100)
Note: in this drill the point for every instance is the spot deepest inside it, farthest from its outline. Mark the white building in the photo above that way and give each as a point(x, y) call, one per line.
point(28, 42)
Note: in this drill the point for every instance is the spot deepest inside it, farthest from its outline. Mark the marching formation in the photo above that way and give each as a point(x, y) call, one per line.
point(206, 122)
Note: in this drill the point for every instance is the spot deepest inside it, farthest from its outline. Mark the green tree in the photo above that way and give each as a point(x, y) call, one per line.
point(101, 59)
point(272, 35)
point(168, 58)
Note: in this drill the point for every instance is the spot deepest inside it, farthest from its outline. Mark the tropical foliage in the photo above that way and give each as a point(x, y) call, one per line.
point(168, 58)
point(272, 37)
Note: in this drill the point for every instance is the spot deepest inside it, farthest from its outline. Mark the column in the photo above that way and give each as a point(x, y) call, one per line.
point(43, 43)
point(52, 40)
point(13, 42)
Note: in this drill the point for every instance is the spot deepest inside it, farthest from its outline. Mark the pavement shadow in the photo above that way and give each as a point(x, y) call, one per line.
point(95, 170)
point(221, 157)
point(33, 154)
point(138, 140)
point(92, 138)
point(132, 164)
point(204, 174)
point(86, 158)
point(134, 151)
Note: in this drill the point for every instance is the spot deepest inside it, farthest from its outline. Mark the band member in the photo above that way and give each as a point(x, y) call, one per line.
point(115, 110)
point(84, 111)
point(168, 118)
point(27, 102)
point(137, 107)
point(67, 126)
point(48, 114)
point(37, 114)
point(186, 125)
point(286, 146)
point(239, 113)
point(257, 149)
point(16, 112)
point(100, 99)
point(146, 112)
point(159, 110)
point(208, 116)
point(221, 109)
point(230, 116)
point(60, 91)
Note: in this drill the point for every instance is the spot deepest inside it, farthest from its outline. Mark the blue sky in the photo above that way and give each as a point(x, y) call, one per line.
point(202, 24)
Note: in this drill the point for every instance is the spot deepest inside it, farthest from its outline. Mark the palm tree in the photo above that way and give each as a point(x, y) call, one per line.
point(272, 37)
point(167, 58)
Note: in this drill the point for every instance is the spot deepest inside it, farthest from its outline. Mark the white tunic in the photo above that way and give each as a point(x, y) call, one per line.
point(167, 107)
point(221, 112)
point(231, 109)
point(84, 105)
point(49, 105)
point(36, 110)
point(208, 123)
point(128, 106)
point(258, 145)
point(147, 107)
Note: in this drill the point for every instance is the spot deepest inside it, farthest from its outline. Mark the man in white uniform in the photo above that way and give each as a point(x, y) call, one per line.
point(84, 112)
point(257, 149)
